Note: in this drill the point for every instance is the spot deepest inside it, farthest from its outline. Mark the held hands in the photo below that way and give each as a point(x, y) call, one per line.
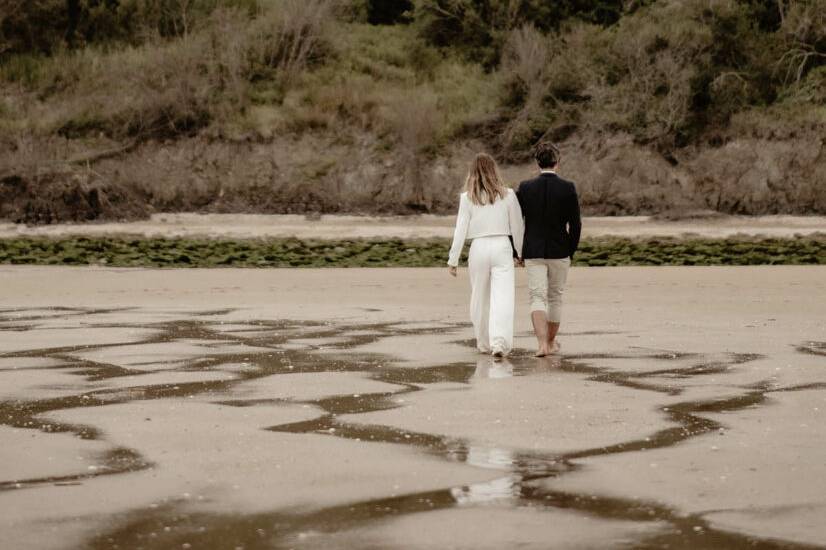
point(517, 262)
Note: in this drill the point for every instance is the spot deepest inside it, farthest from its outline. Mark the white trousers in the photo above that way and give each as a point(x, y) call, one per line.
point(490, 265)
point(546, 282)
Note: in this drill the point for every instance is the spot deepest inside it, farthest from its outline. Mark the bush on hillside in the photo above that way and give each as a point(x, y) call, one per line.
point(47, 26)
point(388, 12)
point(479, 29)
point(170, 89)
point(545, 81)
point(665, 74)
point(803, 35)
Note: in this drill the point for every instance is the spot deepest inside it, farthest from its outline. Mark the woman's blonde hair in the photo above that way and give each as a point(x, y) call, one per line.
point(484, 185)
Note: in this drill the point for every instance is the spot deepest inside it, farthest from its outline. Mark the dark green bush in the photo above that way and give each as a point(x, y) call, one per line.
point(479, 28)
point(45, 26)
point(388, 12)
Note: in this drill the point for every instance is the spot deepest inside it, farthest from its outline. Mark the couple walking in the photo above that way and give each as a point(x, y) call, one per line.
point(537, 227)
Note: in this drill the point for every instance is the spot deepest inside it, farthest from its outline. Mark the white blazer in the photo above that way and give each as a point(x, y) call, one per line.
point(503, 217)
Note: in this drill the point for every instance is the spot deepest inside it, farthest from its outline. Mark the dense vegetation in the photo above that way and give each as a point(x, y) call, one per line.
point(97, 93)
point(179, 252)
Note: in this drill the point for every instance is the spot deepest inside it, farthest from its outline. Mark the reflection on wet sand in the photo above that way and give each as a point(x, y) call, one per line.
point(487, 367)
point(296, 440)
point(498, 490)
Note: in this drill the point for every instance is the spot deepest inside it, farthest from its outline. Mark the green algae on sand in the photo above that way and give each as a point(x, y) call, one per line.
point(135, 251)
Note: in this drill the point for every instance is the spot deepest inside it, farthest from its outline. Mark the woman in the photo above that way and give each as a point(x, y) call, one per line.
point(490, 215)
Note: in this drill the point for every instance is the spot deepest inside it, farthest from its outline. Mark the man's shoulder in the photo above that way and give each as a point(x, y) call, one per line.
point(524, 184)
point(566, 183)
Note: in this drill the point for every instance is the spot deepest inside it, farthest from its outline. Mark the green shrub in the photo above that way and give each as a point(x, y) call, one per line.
point(47, 26)
point(479, 28)
point(810, 91)
point(172, 88)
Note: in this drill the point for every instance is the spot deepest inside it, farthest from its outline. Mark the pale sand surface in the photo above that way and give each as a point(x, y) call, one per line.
point(348, 409)
point(27, 454)
point(14, 340)
point(245, 226)
point(736, 477)
point(34, 384)
point(161, 355)
point(477, 412)
point(18, 363)
point(162, 379)
point(307, 386)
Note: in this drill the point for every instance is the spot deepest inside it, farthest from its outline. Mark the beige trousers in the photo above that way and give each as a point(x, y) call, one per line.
point(546, 282)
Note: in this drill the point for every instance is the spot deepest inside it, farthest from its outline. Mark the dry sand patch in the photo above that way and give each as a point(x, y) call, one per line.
point(166, 355)
point(307, 386)
point(554, 412)
point(28, 454)
point(35, 384)
point(421, 351)
point(19, 341)
point(164, 378)
point(245, 226)
point(19, 363)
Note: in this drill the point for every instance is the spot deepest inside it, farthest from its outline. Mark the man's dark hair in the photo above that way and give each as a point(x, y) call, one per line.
point(546, 154)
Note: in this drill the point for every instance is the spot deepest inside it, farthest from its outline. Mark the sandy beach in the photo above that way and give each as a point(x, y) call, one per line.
point(247, 226)
point(347, 408)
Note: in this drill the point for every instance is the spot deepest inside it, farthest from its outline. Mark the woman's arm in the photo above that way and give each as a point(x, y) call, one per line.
point(516, 223)
point(459, 234)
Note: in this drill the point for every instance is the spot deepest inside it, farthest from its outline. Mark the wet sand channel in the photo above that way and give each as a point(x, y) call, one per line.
point(348, 409)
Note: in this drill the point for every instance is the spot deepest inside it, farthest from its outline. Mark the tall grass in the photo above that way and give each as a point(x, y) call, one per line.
point(162, 88)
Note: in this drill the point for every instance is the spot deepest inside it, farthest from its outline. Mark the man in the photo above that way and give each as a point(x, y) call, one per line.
point(552, 228)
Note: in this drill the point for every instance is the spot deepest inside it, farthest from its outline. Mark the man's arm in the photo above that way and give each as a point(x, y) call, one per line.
point(574, 223)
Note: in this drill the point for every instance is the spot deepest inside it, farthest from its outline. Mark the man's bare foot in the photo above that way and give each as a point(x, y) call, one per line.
point(554, 347)
point(543, 351)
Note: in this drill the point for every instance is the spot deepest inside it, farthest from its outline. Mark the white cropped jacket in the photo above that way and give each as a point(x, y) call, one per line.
point(503, 217)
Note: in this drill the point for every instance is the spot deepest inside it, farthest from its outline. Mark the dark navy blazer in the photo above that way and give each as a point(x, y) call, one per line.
point(552, 223)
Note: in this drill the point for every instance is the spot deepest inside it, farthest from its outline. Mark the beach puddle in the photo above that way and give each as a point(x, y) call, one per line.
point(273, 433)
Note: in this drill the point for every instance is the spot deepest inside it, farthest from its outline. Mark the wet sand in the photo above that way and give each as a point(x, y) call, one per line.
point(347, 408)
point(246, 226)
